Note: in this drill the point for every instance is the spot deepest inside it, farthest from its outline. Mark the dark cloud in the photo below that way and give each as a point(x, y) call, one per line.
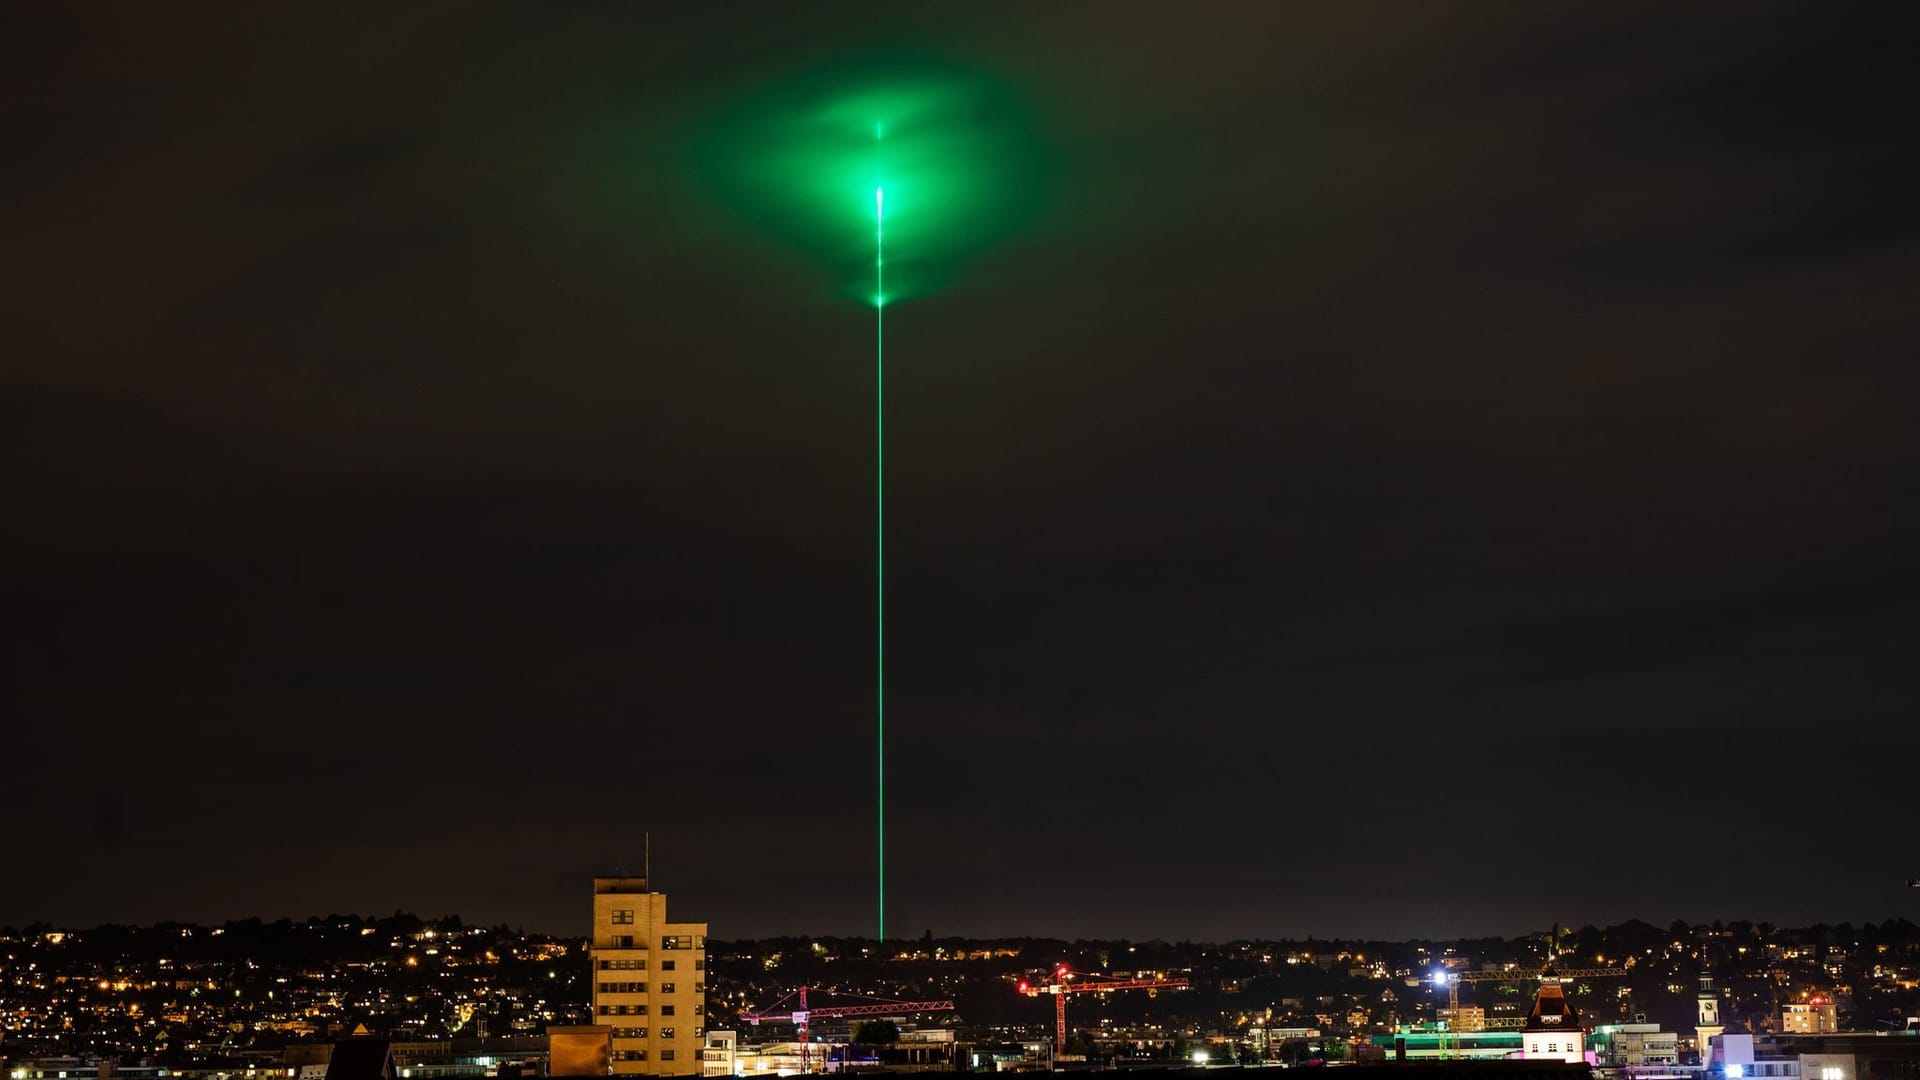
point(1390, 422)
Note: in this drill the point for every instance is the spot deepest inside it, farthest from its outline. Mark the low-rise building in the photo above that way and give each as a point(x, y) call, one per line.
point(1634, 1045)
point(718, 1056)
point(1845, 1055)
point(1552, 1030)
point(1814, 1016)
point(1855, 1055)
point(1447, 1046)
point(1464, 1018)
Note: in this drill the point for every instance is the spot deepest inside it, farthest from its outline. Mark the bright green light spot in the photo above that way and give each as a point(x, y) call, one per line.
point(949, 158)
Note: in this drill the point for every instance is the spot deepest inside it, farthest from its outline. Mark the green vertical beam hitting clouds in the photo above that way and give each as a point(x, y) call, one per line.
point(951, 165)
point(880, 537)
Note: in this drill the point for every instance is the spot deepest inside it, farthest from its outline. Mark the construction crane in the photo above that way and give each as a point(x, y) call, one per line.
point(1453, 979)
point(801, 1015)
point(1066, 983)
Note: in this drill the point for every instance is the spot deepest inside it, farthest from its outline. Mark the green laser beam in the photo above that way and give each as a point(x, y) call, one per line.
point(797, 157)
point(880, 535)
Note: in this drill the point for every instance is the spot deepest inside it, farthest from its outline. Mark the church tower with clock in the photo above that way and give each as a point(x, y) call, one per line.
point(1707, 1021)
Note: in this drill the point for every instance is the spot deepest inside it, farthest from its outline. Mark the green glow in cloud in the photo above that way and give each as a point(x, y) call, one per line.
point(955, 154)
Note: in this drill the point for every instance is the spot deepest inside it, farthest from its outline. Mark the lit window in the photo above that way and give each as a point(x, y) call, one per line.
point(666, 988)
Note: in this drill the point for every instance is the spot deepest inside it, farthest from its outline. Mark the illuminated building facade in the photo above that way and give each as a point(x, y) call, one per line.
point(1707, 1013)
point(649, 980)
point(1855, 1055)
point(1552, 1031)
point(717, 1056)
point(1814, 1016)
point(1448, 1045)
point(1634, 1045)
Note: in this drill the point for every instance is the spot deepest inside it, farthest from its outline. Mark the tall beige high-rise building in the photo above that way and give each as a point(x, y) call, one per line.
point(649, 980)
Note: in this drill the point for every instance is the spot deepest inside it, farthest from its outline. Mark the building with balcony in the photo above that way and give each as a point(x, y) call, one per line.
point(717, 1056)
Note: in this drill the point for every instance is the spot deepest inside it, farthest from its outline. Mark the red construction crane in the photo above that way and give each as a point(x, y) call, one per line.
point(801, 1015)
point(1069, 982)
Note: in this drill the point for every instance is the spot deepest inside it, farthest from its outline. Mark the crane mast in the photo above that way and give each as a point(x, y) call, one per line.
point(1064, 986)
point(802, 1016)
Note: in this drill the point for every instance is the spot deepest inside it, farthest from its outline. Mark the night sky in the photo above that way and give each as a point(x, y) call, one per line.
point(1416, 469)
